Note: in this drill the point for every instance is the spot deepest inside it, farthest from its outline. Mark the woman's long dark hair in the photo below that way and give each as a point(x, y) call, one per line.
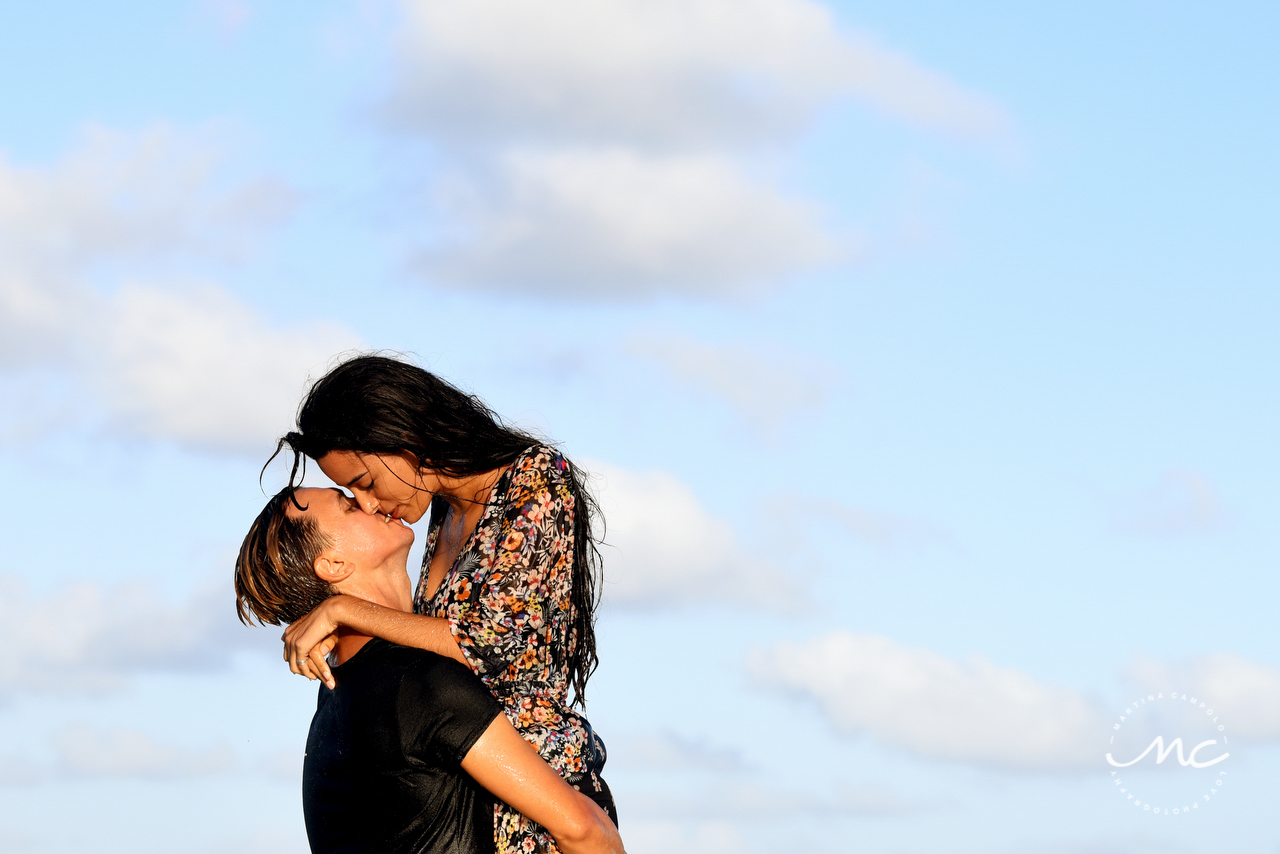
point(377, 405)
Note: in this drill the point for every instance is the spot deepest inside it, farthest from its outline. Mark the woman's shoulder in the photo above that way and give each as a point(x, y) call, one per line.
point(540, 457)
point(538, 468)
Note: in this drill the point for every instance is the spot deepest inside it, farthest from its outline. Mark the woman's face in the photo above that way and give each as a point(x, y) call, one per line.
point(383, 484)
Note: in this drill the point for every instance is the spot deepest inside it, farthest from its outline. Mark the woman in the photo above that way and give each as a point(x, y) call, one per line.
point(510, 571)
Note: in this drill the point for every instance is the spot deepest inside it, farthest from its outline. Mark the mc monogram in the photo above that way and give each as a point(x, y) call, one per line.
point(1163, 752)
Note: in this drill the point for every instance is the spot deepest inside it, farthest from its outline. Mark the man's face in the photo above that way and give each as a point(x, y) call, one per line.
point(364, 540)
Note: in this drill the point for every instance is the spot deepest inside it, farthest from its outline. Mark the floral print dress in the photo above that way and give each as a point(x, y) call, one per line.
point(506, 598)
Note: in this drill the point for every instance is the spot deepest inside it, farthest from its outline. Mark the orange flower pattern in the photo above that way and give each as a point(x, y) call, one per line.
point(507, 601)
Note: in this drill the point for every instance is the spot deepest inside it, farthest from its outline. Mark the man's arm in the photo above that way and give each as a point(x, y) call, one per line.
point(509, 767)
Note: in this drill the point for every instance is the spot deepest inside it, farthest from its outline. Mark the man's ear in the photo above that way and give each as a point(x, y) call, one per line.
point(333, 571)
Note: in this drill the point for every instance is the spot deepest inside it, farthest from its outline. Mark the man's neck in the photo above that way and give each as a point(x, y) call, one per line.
point(390, 589)
point(349, 643)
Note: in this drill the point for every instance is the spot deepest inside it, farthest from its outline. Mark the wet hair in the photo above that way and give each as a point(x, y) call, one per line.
point(276, 580)
point(373, 404)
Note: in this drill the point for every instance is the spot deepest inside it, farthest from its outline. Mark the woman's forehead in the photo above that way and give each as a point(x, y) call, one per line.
point(342, 458)
point(345, 467)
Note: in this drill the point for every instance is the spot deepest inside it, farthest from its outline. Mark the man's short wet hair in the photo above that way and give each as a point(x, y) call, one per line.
point(276, 580)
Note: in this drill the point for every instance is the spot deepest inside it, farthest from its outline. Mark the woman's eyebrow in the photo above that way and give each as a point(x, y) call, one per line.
point(357, 478)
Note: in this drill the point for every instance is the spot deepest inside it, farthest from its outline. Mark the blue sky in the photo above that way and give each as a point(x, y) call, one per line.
point(925, 356)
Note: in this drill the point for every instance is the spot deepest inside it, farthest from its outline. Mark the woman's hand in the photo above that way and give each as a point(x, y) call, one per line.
point(308, 640)
point(316, 665)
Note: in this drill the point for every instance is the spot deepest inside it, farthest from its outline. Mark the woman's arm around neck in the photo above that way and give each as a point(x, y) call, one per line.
point(367, 618)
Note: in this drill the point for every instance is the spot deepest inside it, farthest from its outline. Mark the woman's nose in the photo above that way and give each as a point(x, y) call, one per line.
point(370, 505)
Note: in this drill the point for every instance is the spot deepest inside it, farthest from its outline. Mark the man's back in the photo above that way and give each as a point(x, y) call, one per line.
point(382, 770)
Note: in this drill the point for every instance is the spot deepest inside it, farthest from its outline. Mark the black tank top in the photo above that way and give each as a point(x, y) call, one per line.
point(382, 770)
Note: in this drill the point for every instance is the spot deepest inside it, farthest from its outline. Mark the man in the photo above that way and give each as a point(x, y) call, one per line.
point(399, 744)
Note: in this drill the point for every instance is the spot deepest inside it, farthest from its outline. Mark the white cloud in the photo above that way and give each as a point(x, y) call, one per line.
point(88, 752)
point(268, 841)
point(1182, 502)
point(1110, 842)
point(1245, 693)
point(673, 837)
point(972, 711)
point(665, 549)
point(763, 384)
point(284, 764)
point(609, 222)
point(664, 73)
point(670, 752)
point(227, 17)
point(18, 770)
point(202, 368)
point(185, 363)
point(147, 195)
point(614, 149)
point(747, 802)
point(88, 638)
point(884, 530)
